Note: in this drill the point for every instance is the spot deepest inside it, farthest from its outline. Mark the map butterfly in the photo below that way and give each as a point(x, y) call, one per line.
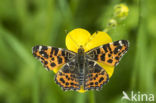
point(81, 69)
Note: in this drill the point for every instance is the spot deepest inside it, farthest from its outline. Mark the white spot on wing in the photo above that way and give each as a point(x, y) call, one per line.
point(120, 42)
point(101, 46)
point(94, 63)
point(40, 47)
point(60, 48)
point(49, 47)
point(111, 43)
point(67, 64)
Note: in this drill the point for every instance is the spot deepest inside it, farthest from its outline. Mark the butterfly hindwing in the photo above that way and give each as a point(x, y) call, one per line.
point(110, 53)
point(96, 76)
point(66, 77)
point(52, 57)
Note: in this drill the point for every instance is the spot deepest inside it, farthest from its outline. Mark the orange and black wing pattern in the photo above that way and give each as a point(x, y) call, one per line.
point(52, 57)
point(110, 53)
point(67, 77)
point(96, 76)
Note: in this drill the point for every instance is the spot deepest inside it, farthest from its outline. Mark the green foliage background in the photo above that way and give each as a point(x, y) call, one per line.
point(25, 23)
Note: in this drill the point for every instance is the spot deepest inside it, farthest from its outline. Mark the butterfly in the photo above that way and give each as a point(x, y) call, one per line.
point(81, 69)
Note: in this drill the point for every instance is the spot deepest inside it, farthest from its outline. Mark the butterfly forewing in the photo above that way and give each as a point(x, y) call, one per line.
point(52, 57)
point(110, 53)
point(96, 76)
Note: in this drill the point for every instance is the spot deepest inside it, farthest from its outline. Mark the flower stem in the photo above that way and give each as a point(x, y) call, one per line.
point(91, 97)
point(81, 97)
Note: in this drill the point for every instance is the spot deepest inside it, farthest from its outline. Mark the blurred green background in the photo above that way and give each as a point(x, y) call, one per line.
point(25, 23)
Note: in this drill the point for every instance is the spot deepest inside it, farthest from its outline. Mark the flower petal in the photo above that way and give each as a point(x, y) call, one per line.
point(97, 39)
point(57, 69)
point(82, 90)
point(109, 69)
point(77, 37)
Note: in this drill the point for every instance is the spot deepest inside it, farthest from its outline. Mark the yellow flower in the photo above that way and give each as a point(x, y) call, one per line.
point(121, 11)
point(80, 36)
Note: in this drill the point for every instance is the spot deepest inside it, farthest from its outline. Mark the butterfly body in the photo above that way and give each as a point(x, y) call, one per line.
point(81, 69)
point(81, 65)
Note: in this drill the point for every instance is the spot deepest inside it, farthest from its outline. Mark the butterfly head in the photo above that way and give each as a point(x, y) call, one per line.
point(81, 50)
